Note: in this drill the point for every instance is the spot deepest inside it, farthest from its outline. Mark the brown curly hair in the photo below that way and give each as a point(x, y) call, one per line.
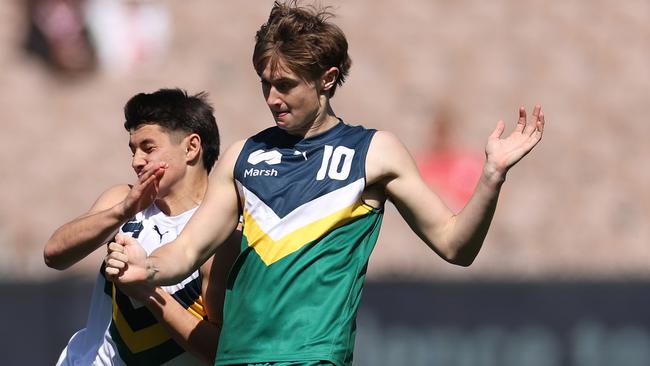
point(304, 40)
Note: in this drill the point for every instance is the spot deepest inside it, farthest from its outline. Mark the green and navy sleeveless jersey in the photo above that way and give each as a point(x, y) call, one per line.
point(294, 291)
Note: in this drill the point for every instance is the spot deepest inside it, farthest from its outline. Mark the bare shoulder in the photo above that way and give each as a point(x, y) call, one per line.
point(386, 156)
point(234, 149)
point(228, 158)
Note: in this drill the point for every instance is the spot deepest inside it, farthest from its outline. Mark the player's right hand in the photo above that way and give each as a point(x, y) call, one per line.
point(126, 260)
point(145, 190)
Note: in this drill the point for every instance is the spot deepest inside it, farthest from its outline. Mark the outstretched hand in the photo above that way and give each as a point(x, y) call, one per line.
point(145, 190)
point(126, 261)
point(502, 154)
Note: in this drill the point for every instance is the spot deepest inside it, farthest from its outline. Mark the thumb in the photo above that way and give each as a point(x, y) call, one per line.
point(120, 239)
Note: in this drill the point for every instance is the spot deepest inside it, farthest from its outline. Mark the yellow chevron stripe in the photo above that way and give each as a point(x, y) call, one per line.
point(141, 340)
point(270, 251)
point(197, 308)
point(151, 336)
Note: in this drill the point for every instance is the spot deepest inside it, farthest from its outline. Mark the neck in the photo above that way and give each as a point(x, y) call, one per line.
point(185, 195)
point(323, 121)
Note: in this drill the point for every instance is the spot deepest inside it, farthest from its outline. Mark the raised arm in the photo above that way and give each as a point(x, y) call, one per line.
point(76, 239)
point(456, 238)
point(212, 223)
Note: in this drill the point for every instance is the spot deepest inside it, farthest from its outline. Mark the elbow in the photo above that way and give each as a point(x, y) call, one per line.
point(461, 261)
point(53, 259)
point(460, 257)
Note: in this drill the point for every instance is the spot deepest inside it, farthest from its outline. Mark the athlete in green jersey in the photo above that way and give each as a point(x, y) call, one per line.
point(311, 191)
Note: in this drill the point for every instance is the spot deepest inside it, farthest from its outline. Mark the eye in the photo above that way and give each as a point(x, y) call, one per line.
point(284, 86)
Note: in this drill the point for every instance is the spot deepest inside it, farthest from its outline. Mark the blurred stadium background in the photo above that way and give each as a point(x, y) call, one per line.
point(563, 276)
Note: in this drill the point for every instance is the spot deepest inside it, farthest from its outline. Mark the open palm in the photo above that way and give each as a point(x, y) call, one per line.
point(145, 191)
point(504, 153)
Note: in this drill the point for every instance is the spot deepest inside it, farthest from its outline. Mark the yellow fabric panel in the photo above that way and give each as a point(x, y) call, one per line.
point(197, 308)
point(141, 340)
point(271, 251)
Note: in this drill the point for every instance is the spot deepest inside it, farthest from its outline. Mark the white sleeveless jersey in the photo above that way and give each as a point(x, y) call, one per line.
point(122, 331)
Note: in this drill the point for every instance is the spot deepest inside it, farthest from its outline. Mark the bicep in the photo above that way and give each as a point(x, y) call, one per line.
point(390, 163)
point(218, 213)
point(108, 199)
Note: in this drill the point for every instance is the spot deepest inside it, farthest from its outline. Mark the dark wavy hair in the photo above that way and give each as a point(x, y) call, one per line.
point(175, 110)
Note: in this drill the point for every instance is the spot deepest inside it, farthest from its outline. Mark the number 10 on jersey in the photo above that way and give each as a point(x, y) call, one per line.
point(336, 164)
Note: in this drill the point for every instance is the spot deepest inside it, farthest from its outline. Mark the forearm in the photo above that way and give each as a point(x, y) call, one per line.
point(75, 240)
point(469, 227)
point(195, 335)
point(170, 263)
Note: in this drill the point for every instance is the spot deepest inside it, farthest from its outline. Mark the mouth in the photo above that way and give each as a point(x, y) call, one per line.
point(280, 115)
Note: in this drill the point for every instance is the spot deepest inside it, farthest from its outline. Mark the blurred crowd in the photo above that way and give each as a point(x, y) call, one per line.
point(77, 36)
point(438, 74)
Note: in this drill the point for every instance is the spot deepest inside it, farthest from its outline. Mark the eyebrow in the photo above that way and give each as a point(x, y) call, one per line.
point(280, 79)
point(143, 142)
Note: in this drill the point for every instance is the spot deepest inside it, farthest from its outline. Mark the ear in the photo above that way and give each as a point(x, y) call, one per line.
point(328, 81)
point(192, 147)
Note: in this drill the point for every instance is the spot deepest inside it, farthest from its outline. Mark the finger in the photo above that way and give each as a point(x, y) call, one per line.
point(160, 171)
point(115, 256)
point(152, 169)
point(531, 126)
point(119, 238)
point(521, 122)
point(112, 273)
point(498, 130)
point(115, 264)
point(146, 172)
point(541, 123)
point(115, 248)
point(536, 137)
point(146, 179)
point(156, 185)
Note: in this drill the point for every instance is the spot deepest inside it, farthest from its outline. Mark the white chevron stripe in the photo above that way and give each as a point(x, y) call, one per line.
point(276, 227)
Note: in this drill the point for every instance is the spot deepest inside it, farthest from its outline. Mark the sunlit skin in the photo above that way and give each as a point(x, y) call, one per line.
point(159, 160)
point(302, 108)
point(299, 106)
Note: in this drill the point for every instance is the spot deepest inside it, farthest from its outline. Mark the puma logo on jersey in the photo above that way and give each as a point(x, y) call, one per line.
point(272, 157)
point(155, 227)
point(304, 154)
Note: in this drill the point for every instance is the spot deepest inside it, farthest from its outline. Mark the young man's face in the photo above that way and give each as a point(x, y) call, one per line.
point(150, 145)
point(294, 102)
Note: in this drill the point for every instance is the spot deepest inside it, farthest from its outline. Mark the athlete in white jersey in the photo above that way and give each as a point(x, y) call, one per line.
point(105, 336)
point(147, 325)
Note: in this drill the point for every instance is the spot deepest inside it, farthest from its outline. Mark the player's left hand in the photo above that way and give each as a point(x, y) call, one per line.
point(502, 154)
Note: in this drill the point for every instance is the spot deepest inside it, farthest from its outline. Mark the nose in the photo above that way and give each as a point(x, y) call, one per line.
point(272, 97)
point(138, 162)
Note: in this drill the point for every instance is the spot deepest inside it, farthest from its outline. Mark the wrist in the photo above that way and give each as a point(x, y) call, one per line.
point(493, 176)
point(120, 213)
